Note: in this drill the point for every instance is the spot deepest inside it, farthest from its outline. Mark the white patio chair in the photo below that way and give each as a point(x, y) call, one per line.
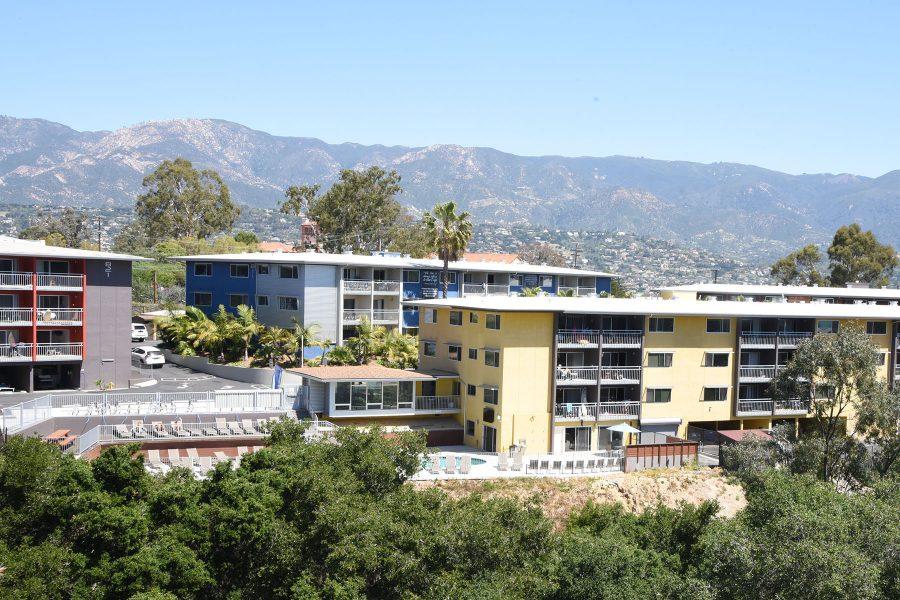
point(450, 467)
point(502, 461)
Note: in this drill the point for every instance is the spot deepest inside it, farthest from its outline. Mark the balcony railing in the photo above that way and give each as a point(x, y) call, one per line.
point(17, 353)
point(764, 339)
point(622, 338)
point(355, 315)
point(757, 372)
point(620, 375)
point(357, 285)
point(756, 406)
point(485, 289)
point(15, 280)
point(386, 286)
point(576, 375)
point(564, 410)
point(386, 316)
point(570, 337)
point(437, 403)
point(59, 351)
point(795, 406)
point(57, 316)
point(792, 339)
point(10, 316)
point(54, 280)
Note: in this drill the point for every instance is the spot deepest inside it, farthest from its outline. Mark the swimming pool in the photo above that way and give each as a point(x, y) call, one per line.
point(426, 464)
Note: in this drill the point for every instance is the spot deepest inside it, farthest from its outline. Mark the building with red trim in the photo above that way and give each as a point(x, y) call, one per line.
point(65, 316)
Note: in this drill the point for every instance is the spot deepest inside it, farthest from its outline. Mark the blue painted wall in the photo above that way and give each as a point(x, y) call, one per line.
point(604, 284)
point(221, 284)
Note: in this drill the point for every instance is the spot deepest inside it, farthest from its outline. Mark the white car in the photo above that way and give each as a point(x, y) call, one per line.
point(139, 332)
point(148, 355)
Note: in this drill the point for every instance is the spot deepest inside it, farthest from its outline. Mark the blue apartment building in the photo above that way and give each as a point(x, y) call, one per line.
point(336, 291)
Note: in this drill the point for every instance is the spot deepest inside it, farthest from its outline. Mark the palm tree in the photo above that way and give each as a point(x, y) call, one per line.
point(307, 335)
point(245, 327)
point(364, 345)
point(275, 343)
point(211, 335)
point(531, 292)
point(449, 234)
point(398, 350)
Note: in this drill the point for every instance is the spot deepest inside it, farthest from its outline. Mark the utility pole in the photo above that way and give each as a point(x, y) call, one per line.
point(575, 258)
point(99, 234)
point(155, 288)
point(715, 273)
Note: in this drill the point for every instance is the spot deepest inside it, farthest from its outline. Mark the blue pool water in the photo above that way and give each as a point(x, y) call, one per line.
point(426, 464)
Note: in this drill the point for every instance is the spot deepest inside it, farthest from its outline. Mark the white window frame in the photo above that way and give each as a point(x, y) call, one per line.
point(488, 352)
point(870, 324)
point(658, 389)
point(722, 321)
point(708, 360)
point(546, 281)
point(495, 392)
point(715, 387)
point(656, 320)
point(408, 272)
point(450, 352)
point(456, 312)
point(426, 344)
point(231, 269)
point(209, 266)
point(262, 269)
point(671, 359)
point(295, 271)
point(487, 321)
point(244, 297)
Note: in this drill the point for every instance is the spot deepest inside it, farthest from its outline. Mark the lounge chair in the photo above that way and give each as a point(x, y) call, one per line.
point(532, 464)
point(242, 450)
point(158, 429)
point(247, 426)
point(556, 465)
point(137, 429)
point(174, 456)
point(154, 460)
point(544, 464)
point(450, 466)
point(221, 426)
point(220, 456)
point(517, 461)
point(193, 455)
point(591, 465)
point(258, 448)
point(205, 463)
point(465, 464)
point(502, 461)
point(122, 431)
point(234, 428)
point(579, 466)
point(178, 430)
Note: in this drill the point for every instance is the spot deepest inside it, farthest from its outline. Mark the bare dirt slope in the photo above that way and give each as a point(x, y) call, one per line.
point(636, 491)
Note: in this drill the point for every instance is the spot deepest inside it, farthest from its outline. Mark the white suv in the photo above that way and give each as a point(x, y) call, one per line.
point(139, 332)
point(148, 356)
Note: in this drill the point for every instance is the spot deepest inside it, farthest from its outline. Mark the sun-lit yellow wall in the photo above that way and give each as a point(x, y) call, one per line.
point(523, 377)
point(687, 376)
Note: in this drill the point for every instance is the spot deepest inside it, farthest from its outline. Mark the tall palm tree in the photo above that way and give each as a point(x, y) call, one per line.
point(277, 342)
point(245, 327)
point(449, 234)
point(307, 335)
point(364, 345)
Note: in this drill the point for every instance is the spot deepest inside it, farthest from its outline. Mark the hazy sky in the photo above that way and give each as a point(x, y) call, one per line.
point(810, 87)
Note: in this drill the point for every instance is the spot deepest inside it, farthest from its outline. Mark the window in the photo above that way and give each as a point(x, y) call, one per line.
point(373, 395)
point(262, 300)
point(473, 353)
point(470, 428)
point(53, 266)
point(456, 317)
point(431, 315)
point(578, 439)
point(491, 396)
point(471, 390)
point(515, 279)
point(487, 416)
point(715, 359)
point(659, 395)
point(882, 358)
point(410, 277)
point(661, 325)
point(429, 348)
point(492, 358)
point(546, 281)
point(239, 270)
point(827, 326)
point(659, 359)
point(262, 269)
point(876, 327)
point(492, 321)
point(715, 394)
point(203, 269)
point(235, 300)
point(202, 299)
point(288, 272)
point(451, 277)
point(473, 317)
point(718, 325)
point(288, 303)
point(454, 351)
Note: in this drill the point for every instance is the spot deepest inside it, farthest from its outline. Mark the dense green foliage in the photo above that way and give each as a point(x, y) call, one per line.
point(335, 520)
point(388, 347)
point(853, 256)
point(68, 228)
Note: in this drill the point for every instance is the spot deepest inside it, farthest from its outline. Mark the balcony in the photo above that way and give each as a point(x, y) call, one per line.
point(768, 339)
point(386, 316)
point(577, 291)
point(613, 338)
point(437, 404)
point(576, 375)
point(54, 281)
point(754, 407)
point(15, 281)
point(756, 373)
point(357, 286)
point(17, 353)
point(52, 352)
point(791, 407)
point(485, 289)
point(620, 375)
point(16, 316)
point(601, 411)
point(570, 338)
point(59, 316)
point(379, 317)
point(386, 287)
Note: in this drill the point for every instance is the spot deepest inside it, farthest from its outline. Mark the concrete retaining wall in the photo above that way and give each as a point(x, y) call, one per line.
point(243, 374)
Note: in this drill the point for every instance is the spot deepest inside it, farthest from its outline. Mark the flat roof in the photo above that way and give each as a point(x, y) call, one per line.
point(397, 262)
point(786, 290)
point(10, 246)
point(661, 307)
point(359, 373)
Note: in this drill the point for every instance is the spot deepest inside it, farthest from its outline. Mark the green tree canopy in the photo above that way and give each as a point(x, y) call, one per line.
point(800, 267)
point(246, 237)
point(68, 228)
point(857, 255)
point(180, 201)
point(541, 253)
point(356, 213)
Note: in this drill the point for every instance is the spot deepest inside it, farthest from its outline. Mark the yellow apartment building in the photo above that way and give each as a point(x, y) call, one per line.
point(552, 374)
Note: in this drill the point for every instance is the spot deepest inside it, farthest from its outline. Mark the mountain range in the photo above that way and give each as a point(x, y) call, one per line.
point(711, 204)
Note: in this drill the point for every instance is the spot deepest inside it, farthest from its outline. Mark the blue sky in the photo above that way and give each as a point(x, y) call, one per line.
point(810, 87)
